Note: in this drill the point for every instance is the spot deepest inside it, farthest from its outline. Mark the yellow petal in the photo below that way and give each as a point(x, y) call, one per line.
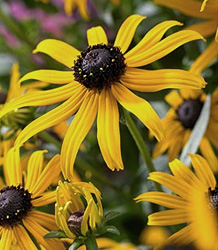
point(174, 99)
point(6, 238)
point(155, 80)
point(14, 86)
point(83, 10)
point(96, 36)
point(40, 98)
point(60, 51)
point(191, 93)
point(23, 239)
point(126, 32)
point(163, 48)
point(45, 199)
point(162, 199)
point(151, 38)
point(182, 172)
point(184, 236)
point(46, 177)
point(53, 117)
point(44, 219)
point(206, 28)
point(171, 182)
point(203, 171)
point(168, 217)
point(189, 7)
point(209, 54)
point(50, 76)
point(77, 131)
point(208, 153)
point(13, 168)
point(69, 5)
point(39, 232)
point(140, 108)
point(34, 168)
point(108, 132)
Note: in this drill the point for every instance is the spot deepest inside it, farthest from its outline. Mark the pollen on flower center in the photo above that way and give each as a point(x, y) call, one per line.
point(213, 198)
point(189, 112)
point(99, 66)
point(15, 202)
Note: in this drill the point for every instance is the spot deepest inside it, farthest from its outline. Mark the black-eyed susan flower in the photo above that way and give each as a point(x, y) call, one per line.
point(99, 78)
point(194, 201)
point(181, 118)
point(19, 218)
point(78, 209)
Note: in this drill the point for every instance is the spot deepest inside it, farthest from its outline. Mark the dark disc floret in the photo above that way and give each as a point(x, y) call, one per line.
point(213, 198)
point(15, 202)
point(189, 112)
point(99, 66)
point(74, 222)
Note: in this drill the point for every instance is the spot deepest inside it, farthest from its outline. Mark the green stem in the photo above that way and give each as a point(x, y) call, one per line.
point(91, 243)
point(140, 144)
point(15, 29)
point(47, 137)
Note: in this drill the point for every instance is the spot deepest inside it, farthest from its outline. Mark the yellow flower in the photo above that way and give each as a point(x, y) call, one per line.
point(98, 79)
point(181, 118)
point(19, 199)
point(76, 210)
point(194, 203)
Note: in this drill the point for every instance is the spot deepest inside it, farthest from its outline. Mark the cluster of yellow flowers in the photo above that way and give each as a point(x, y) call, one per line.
point(96, 85)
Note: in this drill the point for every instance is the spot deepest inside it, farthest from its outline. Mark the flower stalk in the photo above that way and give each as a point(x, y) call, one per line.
point(140, 144)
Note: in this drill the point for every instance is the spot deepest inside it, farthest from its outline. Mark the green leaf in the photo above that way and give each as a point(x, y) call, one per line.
point(197, 133)
point(76, 244)
point(91, 243)
point(110, 215)
point(56, 234)
point(110, 229)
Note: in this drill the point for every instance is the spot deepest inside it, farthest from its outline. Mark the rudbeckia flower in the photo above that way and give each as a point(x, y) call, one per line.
point(78, 208)
point(99, 78)
point(19, 200)
point(194, 202)
point(181, 118)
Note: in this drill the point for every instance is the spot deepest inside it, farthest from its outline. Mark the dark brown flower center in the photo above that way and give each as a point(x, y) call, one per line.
point(74, 222)
point(99, 66)
point(213, 198)
point(15, 202)
point(189, 112)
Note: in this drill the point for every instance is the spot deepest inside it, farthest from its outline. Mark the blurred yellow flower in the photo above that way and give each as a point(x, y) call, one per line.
point(194, 202)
